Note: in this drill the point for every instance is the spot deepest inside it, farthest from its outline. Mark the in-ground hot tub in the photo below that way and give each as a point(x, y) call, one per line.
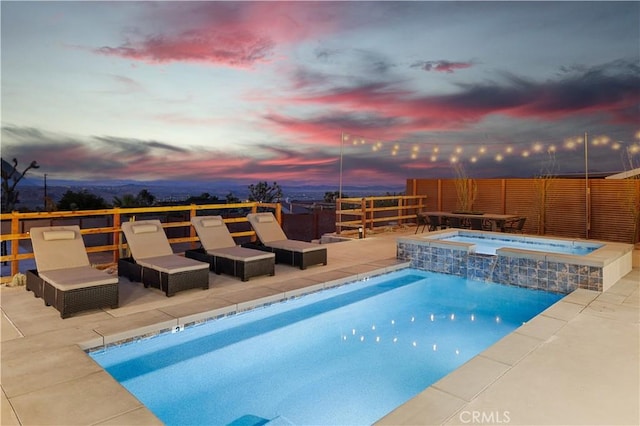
point(553, 264)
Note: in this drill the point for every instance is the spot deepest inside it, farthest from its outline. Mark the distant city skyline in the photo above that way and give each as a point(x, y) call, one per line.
point(283, 91)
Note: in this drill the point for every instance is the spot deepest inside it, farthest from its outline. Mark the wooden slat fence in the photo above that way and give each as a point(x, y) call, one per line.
point(609, 210)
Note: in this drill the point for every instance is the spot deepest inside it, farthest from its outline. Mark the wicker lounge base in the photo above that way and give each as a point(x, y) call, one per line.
point(170, 284)
point(76, 300)
point(243, 269)
point(303, 259)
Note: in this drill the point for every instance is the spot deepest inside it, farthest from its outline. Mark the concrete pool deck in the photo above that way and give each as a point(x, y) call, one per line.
point(576, 363)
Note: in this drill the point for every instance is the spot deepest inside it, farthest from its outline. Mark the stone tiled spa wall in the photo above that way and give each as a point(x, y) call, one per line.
point(533, 273)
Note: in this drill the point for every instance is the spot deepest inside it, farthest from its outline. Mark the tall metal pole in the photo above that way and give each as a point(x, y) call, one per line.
point(45, 191)
point(586, 185)
point(341, 152)
point(339, 203)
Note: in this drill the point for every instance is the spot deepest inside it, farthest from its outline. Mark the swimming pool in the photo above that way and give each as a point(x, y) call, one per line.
point(347, 355)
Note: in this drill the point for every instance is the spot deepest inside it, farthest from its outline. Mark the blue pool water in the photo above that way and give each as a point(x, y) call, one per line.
point(347, 355)
point(489, 245)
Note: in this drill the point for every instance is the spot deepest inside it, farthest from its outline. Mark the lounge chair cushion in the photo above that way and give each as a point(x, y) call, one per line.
point(296, 246)
point(148, 241)
point(143, 229)
point(241, 254)
point(58, 247)
point(172, 264)
point(74, 278)
point(213, 233)
point(212, 222)
point(58, 235)
point(266, 227)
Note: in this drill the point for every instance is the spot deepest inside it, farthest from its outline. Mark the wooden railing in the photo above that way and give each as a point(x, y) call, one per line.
point(367, 213)
point(15, 226)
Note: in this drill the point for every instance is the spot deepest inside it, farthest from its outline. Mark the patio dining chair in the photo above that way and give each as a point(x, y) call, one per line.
point(516, 226)
point(436, 222)
point(422, 220)
point(153, 262)
point(64, 278)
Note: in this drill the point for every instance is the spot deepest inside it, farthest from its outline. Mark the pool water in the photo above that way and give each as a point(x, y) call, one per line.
point(346, 355)
point(490, 245)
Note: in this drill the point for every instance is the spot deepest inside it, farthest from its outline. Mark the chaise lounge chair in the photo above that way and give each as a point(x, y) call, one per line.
point(223, 254)
point(292, 252)
point(153, 262)
point(64, 277)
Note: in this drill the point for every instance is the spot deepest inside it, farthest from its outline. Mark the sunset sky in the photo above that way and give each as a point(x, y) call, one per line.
point(208, 91)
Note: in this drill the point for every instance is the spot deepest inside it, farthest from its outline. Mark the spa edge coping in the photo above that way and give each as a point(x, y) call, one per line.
point(600, 257)
point(106, 339)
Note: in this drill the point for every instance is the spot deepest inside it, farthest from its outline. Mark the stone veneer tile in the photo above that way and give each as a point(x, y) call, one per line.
point(517, 269)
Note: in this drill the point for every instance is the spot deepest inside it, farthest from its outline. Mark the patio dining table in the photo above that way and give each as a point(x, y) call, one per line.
point(497, 221)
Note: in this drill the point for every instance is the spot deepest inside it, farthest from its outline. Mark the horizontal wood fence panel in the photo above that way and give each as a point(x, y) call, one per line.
point(614, 201)
point(566, 207)
point(522, 198)
point(609, 210)
point(486, 199)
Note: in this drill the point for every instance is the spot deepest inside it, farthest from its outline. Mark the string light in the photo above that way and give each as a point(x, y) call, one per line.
point(498, 153)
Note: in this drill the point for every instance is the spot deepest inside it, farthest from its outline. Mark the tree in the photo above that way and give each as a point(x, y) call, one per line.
point(332, 196)
point(232, 199)
point(143, 199)
point(127, 201)
point(204, 198)
point(10, 179)
point(466, 188)
point(265, 193)
point(542, 189)
point(82, 200)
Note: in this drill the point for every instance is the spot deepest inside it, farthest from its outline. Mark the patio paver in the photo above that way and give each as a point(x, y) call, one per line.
point(577, 363)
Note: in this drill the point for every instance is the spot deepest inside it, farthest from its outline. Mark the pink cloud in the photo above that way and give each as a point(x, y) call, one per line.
point(237, 49)
point(233, 34)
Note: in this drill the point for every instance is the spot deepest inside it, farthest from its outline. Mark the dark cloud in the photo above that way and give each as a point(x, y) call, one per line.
point(608, 90)
point(441, 66)
point(137, 146)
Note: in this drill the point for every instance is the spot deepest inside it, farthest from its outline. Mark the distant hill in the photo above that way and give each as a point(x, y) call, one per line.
point(32, 191)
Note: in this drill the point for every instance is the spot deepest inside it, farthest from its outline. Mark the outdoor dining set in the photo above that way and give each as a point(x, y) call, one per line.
point(436, 220)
